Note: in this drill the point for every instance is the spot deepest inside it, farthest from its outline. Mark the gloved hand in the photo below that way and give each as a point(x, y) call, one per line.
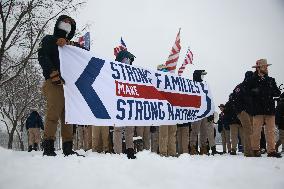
point(56, 79)
point(61, 42)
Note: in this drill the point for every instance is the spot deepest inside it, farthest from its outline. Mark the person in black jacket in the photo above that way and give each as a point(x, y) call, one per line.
point(48, 57)
point(224, 129)
point(279, 120)
point(234, 123)
point(242, 106)
point(262, 90)
point(33, 126)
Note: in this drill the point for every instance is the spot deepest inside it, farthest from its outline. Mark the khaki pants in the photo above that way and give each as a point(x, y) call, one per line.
point(55, 110)
point(100, 139)
point(87, 138)
point(34, 136)
point(144, 132)
point(210, 134)
point(183, 139)
point(155, 141)
point(117, 138)
point(235, 130)
point(197, 127)
point(226, 139)
point(246, 121)
point(80, 131)
point(269, 130)
point(167, 140)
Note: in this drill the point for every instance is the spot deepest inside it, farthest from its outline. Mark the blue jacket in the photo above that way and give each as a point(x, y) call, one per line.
point(34, 121)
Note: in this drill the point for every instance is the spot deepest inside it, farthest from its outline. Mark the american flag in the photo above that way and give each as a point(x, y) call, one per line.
point(188, 60)
point(119, 48)
point(84, 41)
point(171, 63)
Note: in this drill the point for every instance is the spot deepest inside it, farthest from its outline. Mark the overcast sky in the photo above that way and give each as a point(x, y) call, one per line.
point(225, 36)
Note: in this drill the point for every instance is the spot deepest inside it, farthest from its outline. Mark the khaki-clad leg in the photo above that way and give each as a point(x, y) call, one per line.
point(184, 134)
point(55, 106)
point(129, 133)
point(163, 140)
point(269, 130)
point(96, 139)
point(223, 140)
point(172, 130)
point(203, 132)
point(117, 140)
point(210, 133)
point(228, 142)
point(246, 121)
point(195, 128)
point(155, 141)
point(258, 121)
point(234, 136)
point(66, 129)
point(105, 138)
point(146, 138)
point(31, 136)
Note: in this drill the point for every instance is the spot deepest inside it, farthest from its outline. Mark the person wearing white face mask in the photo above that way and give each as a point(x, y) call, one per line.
point(48, 57)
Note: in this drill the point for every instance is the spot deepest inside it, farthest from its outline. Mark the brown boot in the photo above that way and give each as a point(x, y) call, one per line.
point(203, 150)
point(193, 150)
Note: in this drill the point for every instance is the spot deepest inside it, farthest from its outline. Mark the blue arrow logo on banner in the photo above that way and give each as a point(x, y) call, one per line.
point(84, 84)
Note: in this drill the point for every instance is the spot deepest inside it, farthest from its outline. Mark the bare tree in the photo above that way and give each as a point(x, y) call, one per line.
point(22, 26)
point(18, 99)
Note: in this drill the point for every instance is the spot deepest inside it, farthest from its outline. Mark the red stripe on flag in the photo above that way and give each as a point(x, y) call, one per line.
point(150, 92)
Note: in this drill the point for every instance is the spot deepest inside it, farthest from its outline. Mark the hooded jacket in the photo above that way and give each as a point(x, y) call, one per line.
point(241, 99)
point(48, 55)
point(34, 121)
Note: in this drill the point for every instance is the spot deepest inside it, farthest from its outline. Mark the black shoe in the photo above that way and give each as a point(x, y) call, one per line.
point(233, 152)
point(67, 149)
point(48, 148)
point(274, 154)
point(130, 153)
point(35, 147)
point(30, 148)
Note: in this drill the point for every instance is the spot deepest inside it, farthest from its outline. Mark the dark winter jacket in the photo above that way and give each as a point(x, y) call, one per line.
point(230, 115)
point(34, 121)
point(262, 90)
point(222, 124)
point(279, 114)
point(48, 55)
point(242, 101)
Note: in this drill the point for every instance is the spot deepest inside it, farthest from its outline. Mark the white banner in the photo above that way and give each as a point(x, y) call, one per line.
point(108, 93)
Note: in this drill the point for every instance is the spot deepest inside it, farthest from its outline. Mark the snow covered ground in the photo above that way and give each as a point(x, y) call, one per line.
point(23, 170)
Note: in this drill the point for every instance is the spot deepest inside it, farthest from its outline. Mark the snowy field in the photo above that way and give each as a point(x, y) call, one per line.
point(23, 170)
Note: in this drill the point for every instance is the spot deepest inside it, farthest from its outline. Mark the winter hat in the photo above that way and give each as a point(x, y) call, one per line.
point(221, 106)
point(261, 62)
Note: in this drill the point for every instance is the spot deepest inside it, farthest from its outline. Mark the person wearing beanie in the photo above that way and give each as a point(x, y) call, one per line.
point(48, 57)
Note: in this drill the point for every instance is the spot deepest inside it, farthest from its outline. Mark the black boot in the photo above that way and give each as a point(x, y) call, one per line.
point(35, 147)
point(130, 153)
point(30, 148)
point(48, 148)
point(274, 154)
point(214, 151)
point(67, 149)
